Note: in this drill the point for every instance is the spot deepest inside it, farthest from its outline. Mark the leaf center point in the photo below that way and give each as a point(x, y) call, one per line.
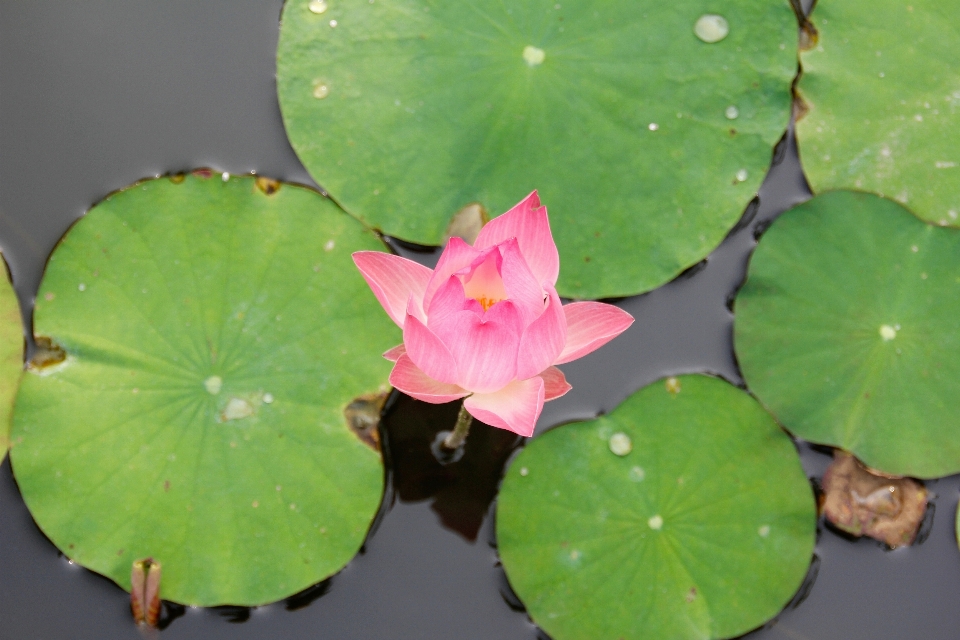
point(533, 55)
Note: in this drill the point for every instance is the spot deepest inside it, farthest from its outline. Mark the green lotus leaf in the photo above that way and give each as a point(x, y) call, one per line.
point(11, 355)
point(214, 335)
point(685, 513)
point(645, 141)
point(882, 87)
point(848, 330)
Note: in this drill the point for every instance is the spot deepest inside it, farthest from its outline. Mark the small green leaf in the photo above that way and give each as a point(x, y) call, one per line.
point(214, 335)
point(848, 330)
point(11, 355)
point(702, 528)
point(882, 86)
point(645, 141)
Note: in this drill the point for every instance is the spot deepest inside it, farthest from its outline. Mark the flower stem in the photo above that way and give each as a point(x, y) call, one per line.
point(459, 434)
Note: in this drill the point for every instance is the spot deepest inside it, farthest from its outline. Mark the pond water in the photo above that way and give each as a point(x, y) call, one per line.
point(99, 94)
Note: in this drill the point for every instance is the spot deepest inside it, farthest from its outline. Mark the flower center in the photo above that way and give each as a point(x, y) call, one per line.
point(484, 283)
point(486, 303)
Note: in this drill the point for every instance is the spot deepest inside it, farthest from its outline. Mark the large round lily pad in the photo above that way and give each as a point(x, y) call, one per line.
point(883, 91)
point(214, 335)
point(685, 513)
point(848, 330)
point(645, 142)
point(11, 354)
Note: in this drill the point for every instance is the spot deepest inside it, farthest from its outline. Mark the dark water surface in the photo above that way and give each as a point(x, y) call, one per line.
point(98, 94)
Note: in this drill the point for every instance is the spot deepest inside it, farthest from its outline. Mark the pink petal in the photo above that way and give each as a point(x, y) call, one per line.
point(456, 255)
point(394, 280)
point(407, 377)
point(543, 339)
point(484, 346)
point(515, 407)
point(394, 354)
point(428, 352)
point(590, 325)
point(521, 286)
point(448, 299)
point(528, 223)
point(554, 383)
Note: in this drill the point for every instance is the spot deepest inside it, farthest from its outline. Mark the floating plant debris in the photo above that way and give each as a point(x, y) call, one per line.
point(208, 364)
point(656, 544)
point(863, 503)
point(882, 93)
point(847, 330)
point(439, 106)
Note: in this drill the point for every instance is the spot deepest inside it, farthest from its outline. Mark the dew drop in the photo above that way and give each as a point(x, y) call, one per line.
point(213, 384)
point(711, 28)
point(533, 55)
point(637, 474)
point(653, 126)
point(237, 409)
point(225, 176)
point(620, 444)
point(732, 112)
point(524, 471)
point(81, 287)
point(764, 531)
point(329, 246)
point(672, 385)
point(655, 523)
point(268, 398)
point(742, 175)
point(333, 23)
point(915, 248)
point(317, 6)
point(321, 91)
point(887, 332)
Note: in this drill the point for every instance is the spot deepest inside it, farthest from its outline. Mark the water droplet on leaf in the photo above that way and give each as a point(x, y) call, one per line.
point(711, 28)
point(620, 444)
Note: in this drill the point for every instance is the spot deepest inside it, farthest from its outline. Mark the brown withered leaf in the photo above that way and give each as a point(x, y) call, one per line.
point(363, 418)
point(467, 223)
point(863, 503)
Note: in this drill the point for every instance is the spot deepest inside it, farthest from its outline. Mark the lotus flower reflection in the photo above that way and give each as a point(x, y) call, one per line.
point(487, 325)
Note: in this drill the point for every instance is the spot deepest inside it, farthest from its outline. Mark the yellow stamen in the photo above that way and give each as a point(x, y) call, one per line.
point(486, 302)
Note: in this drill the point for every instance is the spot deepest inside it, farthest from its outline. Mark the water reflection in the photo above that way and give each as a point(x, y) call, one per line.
point(460, 491)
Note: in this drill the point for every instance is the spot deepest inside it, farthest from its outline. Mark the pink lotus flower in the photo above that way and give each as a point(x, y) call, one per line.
point(486, 324)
